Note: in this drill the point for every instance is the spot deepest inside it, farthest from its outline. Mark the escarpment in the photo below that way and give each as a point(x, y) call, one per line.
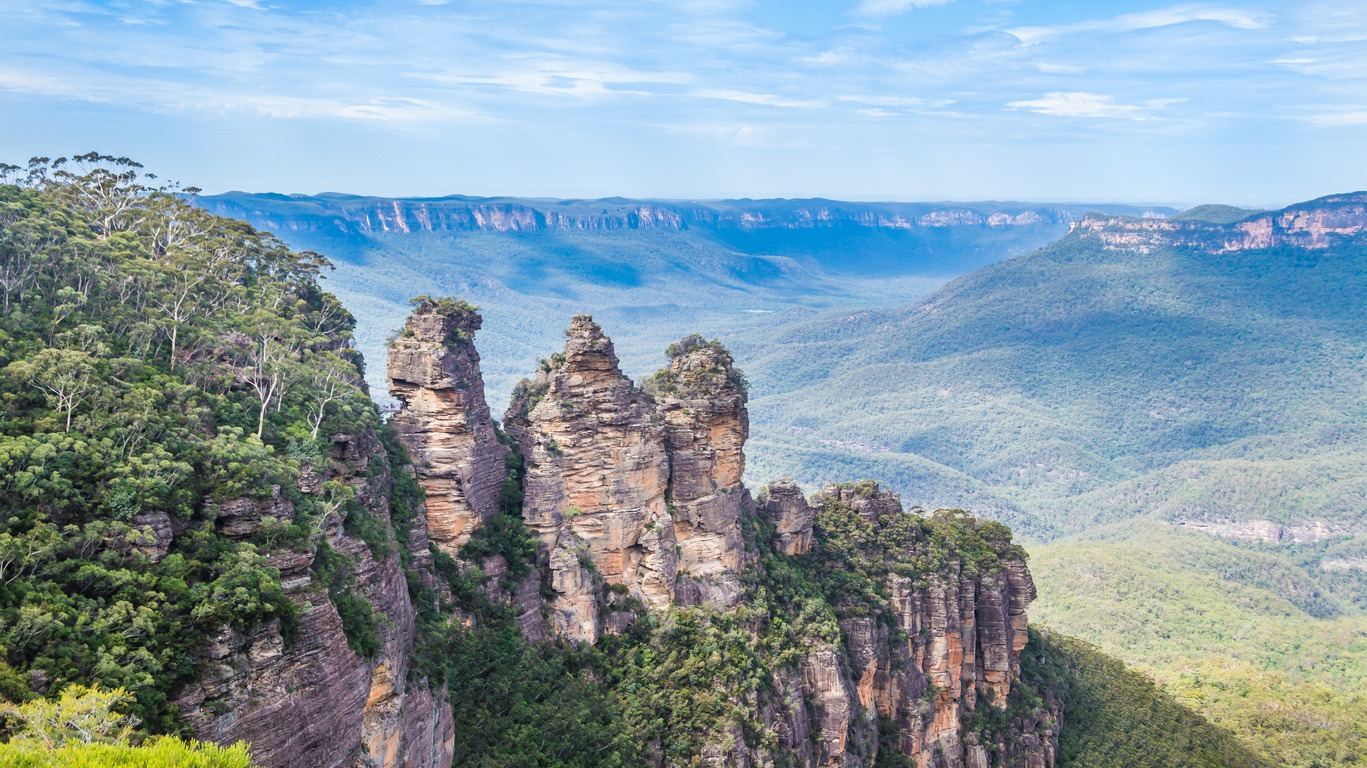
point(1314, 225)
point(339, 688)
point(444, 421)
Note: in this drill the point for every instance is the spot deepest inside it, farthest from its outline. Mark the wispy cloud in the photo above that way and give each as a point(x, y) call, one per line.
point(1080, 104)
point(1340, 119)
point(680, 78)
point(765, 99)
point(878, 8)
point(1237, 18)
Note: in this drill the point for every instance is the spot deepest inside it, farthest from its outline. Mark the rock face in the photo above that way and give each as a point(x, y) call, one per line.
point(1313, 225)
point(444, 422)
point(465, 214)
point(629, 488)
point(309, 699)
point(706, 424)
point(595, 483)
point(962, 637)
point(788, 510)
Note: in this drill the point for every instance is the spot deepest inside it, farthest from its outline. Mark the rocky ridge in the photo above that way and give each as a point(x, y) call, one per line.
point(347, 214)
point(305, 697)
point(1315, 225)
point(635, 497)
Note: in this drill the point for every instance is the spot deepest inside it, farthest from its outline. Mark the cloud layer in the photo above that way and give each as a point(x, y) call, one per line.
point(683, 97)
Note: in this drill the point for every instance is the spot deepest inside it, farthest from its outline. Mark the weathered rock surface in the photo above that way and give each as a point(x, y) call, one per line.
point(1313, 225)
point(963, 636)
point(706, 425)
point(311, 700)
point(629, 488)
point(595, 481)
point(444, 421)
point(792, 516)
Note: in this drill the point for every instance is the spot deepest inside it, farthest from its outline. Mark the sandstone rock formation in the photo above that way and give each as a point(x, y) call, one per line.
point(308, 699)
point(595, 482)
point(444, 422)
point(792, 516)
point(961, 637)
point(706, 425)
point(1316, 224)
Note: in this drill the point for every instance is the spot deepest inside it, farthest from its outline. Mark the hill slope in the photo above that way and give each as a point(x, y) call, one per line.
point(1184, 400)
point(1097, 380)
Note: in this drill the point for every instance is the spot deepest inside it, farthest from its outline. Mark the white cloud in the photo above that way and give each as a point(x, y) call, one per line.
point(766, 99)
point(1339, 119)
point(1079, 104)
point(1133, 22)
point(1058, 69)
point(877, 8)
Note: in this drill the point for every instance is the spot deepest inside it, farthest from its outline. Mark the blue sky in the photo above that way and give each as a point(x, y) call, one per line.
point(1244, 102)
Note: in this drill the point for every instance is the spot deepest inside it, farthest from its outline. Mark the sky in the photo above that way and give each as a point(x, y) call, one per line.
point(1250, 103)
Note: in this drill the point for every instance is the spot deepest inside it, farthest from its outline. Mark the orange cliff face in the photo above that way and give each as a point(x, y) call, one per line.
point(1314, 225)
point(444, 421)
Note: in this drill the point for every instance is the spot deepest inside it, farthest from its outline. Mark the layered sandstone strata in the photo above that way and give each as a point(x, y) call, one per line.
point(595, 481)
point(702, 399)
point(308, 699)
point(444, 420)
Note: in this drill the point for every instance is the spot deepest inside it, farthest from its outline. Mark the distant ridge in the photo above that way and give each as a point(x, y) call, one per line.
point(355, 214)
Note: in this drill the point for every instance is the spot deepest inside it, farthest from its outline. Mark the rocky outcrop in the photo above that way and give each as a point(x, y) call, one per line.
point(702, 398)
point(305, 697)
point(1267, 531)
point(951, 648)
point(631, 487)
point(1314, 225)
point(786, 507)
point(595, 481)
point(444, 420)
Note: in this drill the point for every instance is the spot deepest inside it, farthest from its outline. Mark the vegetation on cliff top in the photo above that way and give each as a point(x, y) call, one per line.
point(156, 363)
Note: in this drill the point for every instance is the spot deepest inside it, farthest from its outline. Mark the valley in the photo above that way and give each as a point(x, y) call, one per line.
point(1192, 388)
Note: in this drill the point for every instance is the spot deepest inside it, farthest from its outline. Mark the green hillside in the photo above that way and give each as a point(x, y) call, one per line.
point(1086, 386)
point(1114, 403)
point(1261, 646)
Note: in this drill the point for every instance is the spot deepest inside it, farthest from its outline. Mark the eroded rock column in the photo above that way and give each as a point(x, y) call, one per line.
point(595, 482)
point(444, 420)
point(702, 397)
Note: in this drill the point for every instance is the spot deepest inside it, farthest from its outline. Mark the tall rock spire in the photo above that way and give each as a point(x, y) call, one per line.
point(444, 421)
point(702, 397)
point(595, 482)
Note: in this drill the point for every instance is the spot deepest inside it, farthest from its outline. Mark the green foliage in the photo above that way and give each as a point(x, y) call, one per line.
point(80, 715)
point(504, 535)
point(156, 362)
point(1258, 646)
point(360, 621)
point(166, 752)
point(1114, 716)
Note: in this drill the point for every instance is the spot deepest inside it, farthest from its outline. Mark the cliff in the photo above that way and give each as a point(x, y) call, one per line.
point(352, 214)
point(444, 421)
point(636, 492)
point(1314, 225)
point(315, 695)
